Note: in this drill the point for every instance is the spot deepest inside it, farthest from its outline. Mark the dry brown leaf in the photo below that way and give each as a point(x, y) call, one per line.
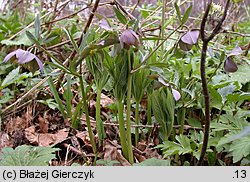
point(151, 152)
point(111, 152)
point(84, 136)
point(105, 100)
point(43, 124)
point(45, 139)
point(18, 122)
point(139, 157)
point(5, 140)
point(31, 135)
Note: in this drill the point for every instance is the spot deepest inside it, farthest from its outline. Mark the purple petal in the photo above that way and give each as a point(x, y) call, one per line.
point(104, 24)
point(191, 37)
point(10, 55)
point(24, 56)
point(235, 52)
point(176, 94)
point(40, 64)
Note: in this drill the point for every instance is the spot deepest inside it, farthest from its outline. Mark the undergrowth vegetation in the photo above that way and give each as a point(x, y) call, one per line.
point(151, 85)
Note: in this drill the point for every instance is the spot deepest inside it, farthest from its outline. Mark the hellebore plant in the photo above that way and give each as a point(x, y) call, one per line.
point(24, 57)
point(128, 39)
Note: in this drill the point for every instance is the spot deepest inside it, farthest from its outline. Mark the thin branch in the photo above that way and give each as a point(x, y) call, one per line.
point(91, 16)
point(205, 41)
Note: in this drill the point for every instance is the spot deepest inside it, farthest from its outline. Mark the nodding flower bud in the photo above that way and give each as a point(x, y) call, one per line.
point(129, 38)
point(188, 40)
point(230, 66)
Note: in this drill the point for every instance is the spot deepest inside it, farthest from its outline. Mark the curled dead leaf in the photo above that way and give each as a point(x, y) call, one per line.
point(112, 152)
point(45, 139)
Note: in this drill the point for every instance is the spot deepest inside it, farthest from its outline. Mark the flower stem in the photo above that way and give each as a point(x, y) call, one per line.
point(137, 123)
point(122, 129)
point(129, 141)
point(149, 114)
point(85, 106)
point(99, 124)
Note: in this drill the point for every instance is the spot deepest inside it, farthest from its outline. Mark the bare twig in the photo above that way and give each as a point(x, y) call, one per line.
point(124, 11)
point(53, 15)
point(206, 39)
point(91, 16)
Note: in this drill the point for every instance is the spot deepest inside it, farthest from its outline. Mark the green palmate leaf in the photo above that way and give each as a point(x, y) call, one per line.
point(186, 15)
point(243, 133)
point(154, 162)
point(221, 127)
point(240, 148)
point(178, 12)
point(242, 74)
point(236, 128)
point(184, 141)
point(238, 97)
point(27, 156)
point(120, 16)
point(182, 147)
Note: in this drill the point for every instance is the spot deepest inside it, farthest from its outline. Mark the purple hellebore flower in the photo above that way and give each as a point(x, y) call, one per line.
point(24, 57)
point(128, 38)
